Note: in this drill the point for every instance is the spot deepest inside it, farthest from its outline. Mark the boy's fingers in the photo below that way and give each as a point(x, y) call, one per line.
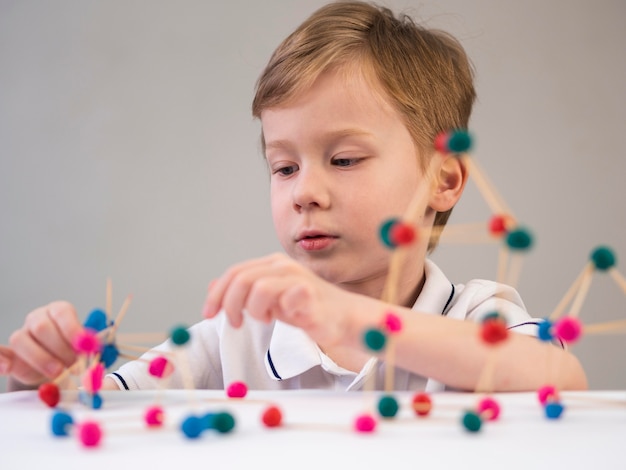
point(218, 287)
point(44, 330)
point(6, 360)
point(32, 356)
point(65, 319)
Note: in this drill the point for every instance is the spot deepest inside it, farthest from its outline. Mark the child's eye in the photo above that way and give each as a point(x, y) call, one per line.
point(343, 162)
point(285, 170)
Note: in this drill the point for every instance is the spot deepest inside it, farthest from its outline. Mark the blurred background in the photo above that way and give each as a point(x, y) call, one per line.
point(127, 150)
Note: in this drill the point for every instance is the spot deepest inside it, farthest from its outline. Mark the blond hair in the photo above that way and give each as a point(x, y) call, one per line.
point(424, 73)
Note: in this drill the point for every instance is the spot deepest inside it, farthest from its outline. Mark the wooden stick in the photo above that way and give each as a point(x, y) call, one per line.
point(142, 349)
point(109, 300)
point(142, 337)
point(120, 317)
point(503, 259)
point(618, 278)
point(486, 379)
point(570, 292)
point(613, 326)
point(133, 358)
point(515, 269)
point(582, 292)
point(390, 360)
point(493, 200)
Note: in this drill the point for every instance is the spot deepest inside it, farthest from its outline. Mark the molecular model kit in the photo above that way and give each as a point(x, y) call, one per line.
point(100, 345)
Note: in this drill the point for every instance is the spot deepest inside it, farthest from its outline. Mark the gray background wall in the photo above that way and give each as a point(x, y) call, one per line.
point(127, 150)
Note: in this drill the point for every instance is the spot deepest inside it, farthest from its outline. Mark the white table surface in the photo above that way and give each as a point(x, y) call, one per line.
point(318, 433)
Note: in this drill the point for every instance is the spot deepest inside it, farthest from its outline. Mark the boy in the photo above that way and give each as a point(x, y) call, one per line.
point(350, 104)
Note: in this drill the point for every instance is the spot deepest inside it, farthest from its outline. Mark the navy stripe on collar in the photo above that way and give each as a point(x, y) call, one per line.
point(121, 380)
point(445, 307)
point(271, 363)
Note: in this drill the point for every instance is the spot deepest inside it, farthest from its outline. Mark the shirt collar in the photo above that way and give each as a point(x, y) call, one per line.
point(436, 293)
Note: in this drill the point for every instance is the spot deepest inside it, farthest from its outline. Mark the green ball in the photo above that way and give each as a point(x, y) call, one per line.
point(519, 240)
point(375, 339)
point(180, 335)
point(385, 231)
point(223, 422)
point(460, 141)
point(472, 421)
point(495, 315)
point(603, 258)
point(388, 406)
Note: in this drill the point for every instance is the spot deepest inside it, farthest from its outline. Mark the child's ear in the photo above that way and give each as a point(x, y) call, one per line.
point(448, 182)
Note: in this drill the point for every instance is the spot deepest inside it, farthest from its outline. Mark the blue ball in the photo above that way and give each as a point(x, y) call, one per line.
point(96, 320)
point(109, 355)
point(192, 427)
point(544, 332)
point(554, 410)
point(60, 423)
point(96, 401)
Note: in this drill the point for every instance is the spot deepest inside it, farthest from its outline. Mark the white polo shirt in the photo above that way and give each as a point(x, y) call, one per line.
point(278, 356)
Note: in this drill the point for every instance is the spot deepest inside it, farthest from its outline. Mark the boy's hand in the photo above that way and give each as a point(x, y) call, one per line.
point(277, 287)
point(42, 347)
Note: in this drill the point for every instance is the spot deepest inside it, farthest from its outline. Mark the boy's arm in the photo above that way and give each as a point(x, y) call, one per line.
point(445, 349)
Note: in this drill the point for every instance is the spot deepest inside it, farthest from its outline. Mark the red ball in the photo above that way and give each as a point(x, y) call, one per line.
point(89, 433)
point(422, 404)
point(50, 394)
point(441, 142)
point(237, 390)
point(402, 234)
point(494, 331)
point(272, 417)
point(498, 225)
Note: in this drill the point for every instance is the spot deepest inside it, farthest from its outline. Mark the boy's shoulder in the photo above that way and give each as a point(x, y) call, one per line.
point(472, 300)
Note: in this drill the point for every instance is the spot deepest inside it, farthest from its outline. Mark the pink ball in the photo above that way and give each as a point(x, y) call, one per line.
point(160, 367)
point(92, 378)
point(154, 416)
point(89, 433)
point(547, 393)
point(489, 408)
point(365, 423)
point(86, 342)
point(393, 323)
point(568, 329)
point(237, 390)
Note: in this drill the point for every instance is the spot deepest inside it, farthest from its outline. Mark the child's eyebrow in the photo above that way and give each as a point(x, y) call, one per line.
point(332, 136)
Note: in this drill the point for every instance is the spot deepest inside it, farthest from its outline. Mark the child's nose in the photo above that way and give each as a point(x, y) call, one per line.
point(311, 190)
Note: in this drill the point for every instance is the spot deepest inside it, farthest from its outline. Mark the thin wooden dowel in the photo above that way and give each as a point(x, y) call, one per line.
point(493, 200)
point(142, 337)
point(570, 293)
point(515, 269)
point(582, 293)
point(618, 278)
point(485, 382)
point(143, 349)
point(613, 326)
point(109, 300)
point(503, 259)
point(390, 360)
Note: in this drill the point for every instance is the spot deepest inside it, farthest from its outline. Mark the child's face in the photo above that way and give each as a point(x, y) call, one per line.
point(342, 162)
